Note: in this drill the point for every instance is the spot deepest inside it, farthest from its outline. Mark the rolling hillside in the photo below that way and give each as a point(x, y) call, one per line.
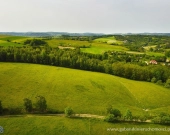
point(85, 92)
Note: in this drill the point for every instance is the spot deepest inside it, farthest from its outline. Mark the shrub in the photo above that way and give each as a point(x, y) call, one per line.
point(111, 118)
point(153, 80)
point(128, 115)
point(68, 111)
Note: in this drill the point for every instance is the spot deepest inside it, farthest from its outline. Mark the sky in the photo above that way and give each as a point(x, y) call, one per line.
point(78, 16)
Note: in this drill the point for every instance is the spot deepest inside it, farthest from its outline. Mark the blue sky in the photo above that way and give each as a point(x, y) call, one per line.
point(103, 16)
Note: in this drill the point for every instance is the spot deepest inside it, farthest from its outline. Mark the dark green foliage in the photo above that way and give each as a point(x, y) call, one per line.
point(111, 118)
point(28, 105)
point(167, 84)
point(68, 111)
point(41, 104)
point(1, 108)
point(35, 42)
point(167, 53)
point(106, 63)
point(137, 42)
point(115, 112)
point(128, 115)
point(13, 111)
point(159, 82)
point(153, 80)
point(163, 118)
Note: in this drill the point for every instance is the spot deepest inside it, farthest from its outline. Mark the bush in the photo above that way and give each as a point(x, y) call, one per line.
point(156, 120)
point(14, 111)
point(153, 80)
point(128, 115)
point(116, 112)
point(111, 118)
point(68, 111)
point(159, 82)
point(142, 118)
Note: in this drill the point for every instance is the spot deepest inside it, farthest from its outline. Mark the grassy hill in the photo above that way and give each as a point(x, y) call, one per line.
point(6, 40)
point(85, 92)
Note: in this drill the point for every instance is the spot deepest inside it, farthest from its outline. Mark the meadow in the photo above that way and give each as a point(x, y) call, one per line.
point(84, 91)
point(14, 41)
point(52, 125)
point(89, 47)
point(97, 46)
point(108, 40)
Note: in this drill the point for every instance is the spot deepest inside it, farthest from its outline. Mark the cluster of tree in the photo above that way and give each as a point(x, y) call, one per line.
point(137, 42)
point(159, 82)
point(162, 118)
point(114, 115)
point(79, 38)
point(34, 42)
point(40, 107)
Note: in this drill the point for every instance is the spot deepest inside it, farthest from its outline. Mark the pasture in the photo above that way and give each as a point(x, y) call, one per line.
point(84, 91)
point(108, 40)
point(52, 125)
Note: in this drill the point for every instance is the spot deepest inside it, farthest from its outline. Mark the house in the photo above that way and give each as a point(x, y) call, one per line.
point(167, 60)
point(153, 62)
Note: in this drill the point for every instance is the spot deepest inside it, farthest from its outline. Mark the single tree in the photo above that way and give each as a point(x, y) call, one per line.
point(28, 104)
point(128, 115)
point(41, 104)
point(68, 111)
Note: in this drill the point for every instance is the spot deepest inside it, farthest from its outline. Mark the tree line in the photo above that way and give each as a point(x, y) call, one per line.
point(113, 115)
point(113, 63)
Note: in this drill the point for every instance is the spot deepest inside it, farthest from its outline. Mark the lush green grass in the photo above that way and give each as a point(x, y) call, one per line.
point(155, 54)
point(6, 40)
point(6, 44)
point(94, 47)
point(133, 52)
point(98, 48)
point(108, 40)
point(65, 126)
point(85, 92)
point(68, 43)
point(11, 38)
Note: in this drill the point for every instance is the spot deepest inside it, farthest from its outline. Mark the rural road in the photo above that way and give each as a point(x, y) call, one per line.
point(63, 115)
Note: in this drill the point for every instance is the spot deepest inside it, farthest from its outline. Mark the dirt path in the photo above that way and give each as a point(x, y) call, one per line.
point(63, 115)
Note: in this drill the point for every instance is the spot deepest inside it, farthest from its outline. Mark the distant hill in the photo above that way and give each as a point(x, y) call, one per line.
point(46, 34)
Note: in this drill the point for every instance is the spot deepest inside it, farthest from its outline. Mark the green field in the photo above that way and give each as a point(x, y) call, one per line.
point(11, 38)
point(108, 40)
point(84, 91)
point(38, 125)
point(155, 54)
point(94, 47)
point(16, 41)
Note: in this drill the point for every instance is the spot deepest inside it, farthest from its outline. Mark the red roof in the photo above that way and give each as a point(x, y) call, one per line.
point(153, 62)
